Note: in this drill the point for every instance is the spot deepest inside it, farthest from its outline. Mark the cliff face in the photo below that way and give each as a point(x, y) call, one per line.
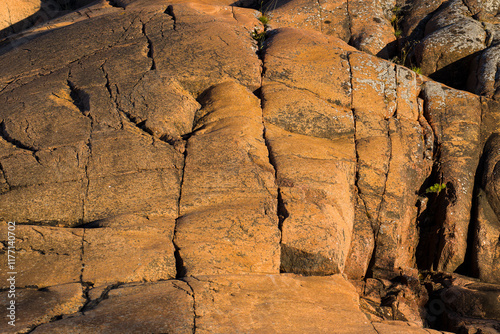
point(188, 167)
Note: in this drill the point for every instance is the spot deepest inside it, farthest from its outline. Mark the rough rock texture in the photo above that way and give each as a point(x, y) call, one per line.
point(451, 112)
point(318, 224)
point(452, 36)
point(184, 167)
point(228, 205)
point(41, 306)
point(371, 30)
point(463, 305)
point(163, 307)
point(330, 17)
point(13, 11)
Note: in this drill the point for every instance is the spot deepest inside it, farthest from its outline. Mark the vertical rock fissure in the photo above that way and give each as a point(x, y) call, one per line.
point(349, 20)
point(431, 220)
point(85, 285)
point(82, 101)
point(359, 194)
point(4, 177)
point(179, 263)
point(170, 12)
point(150, 46)
point(320, 13)
point(194, 305)
point(281, 211)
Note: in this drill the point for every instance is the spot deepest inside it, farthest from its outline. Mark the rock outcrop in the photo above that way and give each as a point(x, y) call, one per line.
point(175, 167)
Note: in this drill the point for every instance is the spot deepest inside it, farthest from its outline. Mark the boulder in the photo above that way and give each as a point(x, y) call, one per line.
point(464, 305)
point(452, 39)
point(486, 250)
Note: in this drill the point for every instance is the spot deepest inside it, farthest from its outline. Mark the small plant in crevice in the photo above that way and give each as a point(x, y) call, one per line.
point(264, 19)
point(416, 69)
point(436, 188)
point(406, 56)
point(397, 17)
point(258, 34)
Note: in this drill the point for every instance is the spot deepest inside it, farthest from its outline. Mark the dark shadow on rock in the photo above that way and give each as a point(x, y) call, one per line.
point(430, 222)
point(297, 261)
point(49, 9)
point(455, 74)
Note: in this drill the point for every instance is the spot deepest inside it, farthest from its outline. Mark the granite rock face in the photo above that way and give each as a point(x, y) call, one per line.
point(192, 167)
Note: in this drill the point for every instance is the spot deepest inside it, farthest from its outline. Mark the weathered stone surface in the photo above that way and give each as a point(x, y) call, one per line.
point(131, 166)
point(146, 244)
point(417, 17)
point(486, 249)
point(486, 252)
point(455, 118)
point(44, 256)
point(13, 11)
point(144, 146)
point(309, 127)
point(228, 221)
point(371, 30)
point(465, 305)
point(483, 79)
point(388, 113)
point(276, 304)
point(163, 307)
point(396, 327)
point(329, 17)
point(211, 48)
point(402, 299)
point(452, 37)
point(35, 307)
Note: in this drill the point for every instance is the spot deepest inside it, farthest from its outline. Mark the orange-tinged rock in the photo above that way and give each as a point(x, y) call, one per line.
point(128, 248)
point(163, 307)
point(13, 11)
point(276, 304)
point(388, 114)
point(35, 307)
point(323, 70)
point(228, 221)
point(455, 117)
point(371, 31)
point(44, 256)
point(328, 17)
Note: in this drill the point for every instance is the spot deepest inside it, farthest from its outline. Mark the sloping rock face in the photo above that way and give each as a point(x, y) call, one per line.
point(163, 171)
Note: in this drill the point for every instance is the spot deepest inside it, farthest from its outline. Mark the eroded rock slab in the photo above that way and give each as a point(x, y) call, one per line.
point(34, 307)
point(164, 307)
point(228, 221)
point(276, 304)
point(310, 133)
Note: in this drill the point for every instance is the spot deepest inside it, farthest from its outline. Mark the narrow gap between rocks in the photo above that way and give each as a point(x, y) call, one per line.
point(430, 221)
point(195, 316)
point(170, 12)
point(281, 212)
point(150, 47)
